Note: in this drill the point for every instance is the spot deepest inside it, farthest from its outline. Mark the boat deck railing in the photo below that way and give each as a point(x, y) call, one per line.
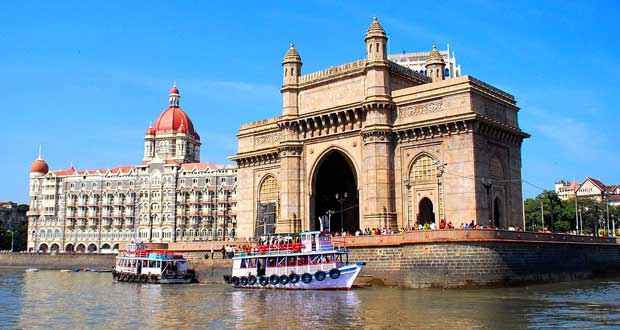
point(284, 248)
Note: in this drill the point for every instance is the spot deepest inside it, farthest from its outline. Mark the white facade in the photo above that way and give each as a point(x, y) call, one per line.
point(171, 196)
point(417, 62)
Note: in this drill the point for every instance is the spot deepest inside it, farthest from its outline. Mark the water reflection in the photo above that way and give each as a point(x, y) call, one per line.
point(54, 300)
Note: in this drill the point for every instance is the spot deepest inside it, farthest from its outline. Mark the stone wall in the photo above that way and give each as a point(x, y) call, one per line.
point(56, 262)
point(493, 262)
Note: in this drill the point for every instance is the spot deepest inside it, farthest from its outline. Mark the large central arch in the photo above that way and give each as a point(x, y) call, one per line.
point(334, 176)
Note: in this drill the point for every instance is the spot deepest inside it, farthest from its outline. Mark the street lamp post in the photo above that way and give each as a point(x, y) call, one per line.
point(441, 167)
point(341, 199)
point(407, 187)
point(607, 218)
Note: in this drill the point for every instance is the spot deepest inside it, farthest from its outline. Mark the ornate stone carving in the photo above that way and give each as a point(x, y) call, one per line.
point(420, 109)
point(376, 136)
point(268, 138)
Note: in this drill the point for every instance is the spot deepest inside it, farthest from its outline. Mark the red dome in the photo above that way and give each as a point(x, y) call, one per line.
point(174, 119)
point(174, 90)
point(150, 131)
point(39, 166)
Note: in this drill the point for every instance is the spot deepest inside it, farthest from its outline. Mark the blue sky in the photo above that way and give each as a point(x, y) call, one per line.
point(85, 79)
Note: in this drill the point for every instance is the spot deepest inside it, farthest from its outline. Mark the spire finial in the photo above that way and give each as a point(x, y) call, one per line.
point(174, 83)
point(71, 164)
point(150, 124)
point(292, 44)
point(40, 157)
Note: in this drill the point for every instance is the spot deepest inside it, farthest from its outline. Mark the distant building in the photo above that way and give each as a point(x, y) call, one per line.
point(564, 190)
point(417, 62)
point(589, 188)
point(11, 215)
point(170, 196)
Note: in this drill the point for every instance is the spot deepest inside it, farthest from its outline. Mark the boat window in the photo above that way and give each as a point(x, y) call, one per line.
point(302, 261)
point(281, 261)
point(271, 262)
point(151, 263)
point(315, 259)
point(326, 258)
point(243, 263)
point(291, 261)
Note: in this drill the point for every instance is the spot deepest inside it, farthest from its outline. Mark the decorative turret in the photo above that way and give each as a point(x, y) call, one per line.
point(376, 41)
point(292, 70)
point(39, 166)
point(174, 96)
point(377, 65)
point(435, 65)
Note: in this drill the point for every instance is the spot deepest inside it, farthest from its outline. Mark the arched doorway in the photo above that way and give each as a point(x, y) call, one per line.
point(43, 248)
point(497, 212)
point(335, 192)
point(426, 213)
point(54, 248)
point(81, 248)
point(105, 246)
point(267, 206)
point(92, 248)
point(115, 247)
point(69, 248)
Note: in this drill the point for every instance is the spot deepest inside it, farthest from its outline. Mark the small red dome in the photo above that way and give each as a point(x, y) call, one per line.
point(150, 131)
point(174, 90)
point(39, 166)
point(174, 119)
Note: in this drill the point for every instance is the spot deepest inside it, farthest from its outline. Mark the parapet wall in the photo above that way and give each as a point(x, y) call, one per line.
point(56, 262)
point(482, 258)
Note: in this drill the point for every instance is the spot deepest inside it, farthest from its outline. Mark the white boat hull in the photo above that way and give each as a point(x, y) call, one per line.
point(348, 274)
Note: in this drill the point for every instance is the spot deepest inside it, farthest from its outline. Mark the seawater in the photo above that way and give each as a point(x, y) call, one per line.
point(55, 300)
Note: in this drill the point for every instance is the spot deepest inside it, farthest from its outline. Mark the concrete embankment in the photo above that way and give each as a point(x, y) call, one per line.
point(56, 262)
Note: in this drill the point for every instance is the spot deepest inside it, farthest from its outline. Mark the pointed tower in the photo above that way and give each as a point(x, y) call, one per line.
point(377, 64)
point(435, 65)
point(377, 132)
point(291, 72)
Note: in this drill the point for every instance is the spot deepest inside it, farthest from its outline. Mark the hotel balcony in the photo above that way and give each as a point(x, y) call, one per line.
point(118, 201)
point(106, 213)
point(107, 201)
point(82, 202)
point(117, 213)
point(107, 223)
point(118, 222)
point(81, 214)
point(82, 223)
point(93, 202)
point(130, 201)
point(92, 213)
point(70, 202)
point(92, 222)
point(129, 212)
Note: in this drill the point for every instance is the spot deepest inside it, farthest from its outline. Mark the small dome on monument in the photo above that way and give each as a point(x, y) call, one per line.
point(375, 30)
point(434, 57)
point(292, 56)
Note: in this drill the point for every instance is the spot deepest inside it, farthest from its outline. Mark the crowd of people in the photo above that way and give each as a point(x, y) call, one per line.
point(421, 226)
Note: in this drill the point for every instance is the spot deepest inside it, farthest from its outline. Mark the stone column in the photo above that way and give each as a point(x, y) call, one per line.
point(290, 189)
point(378, 203)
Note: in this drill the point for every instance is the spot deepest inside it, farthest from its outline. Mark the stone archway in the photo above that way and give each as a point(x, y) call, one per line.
point(81, 248)
point(426, 213)
point(497, 212)
point(92, 248)
point(55, 248)
point(43, 248)
point(69, 248)
point(334, 187)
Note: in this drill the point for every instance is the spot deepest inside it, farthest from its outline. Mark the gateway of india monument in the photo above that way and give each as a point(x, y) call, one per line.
point(373, 144)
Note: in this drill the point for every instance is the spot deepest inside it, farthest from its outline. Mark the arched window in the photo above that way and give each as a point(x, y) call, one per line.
point(268, 190)
point(423, 170)
point(495, 168)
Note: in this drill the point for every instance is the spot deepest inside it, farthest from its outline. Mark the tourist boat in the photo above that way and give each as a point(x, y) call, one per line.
point(151, 266)
point(32, 270)
point(310, 263)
